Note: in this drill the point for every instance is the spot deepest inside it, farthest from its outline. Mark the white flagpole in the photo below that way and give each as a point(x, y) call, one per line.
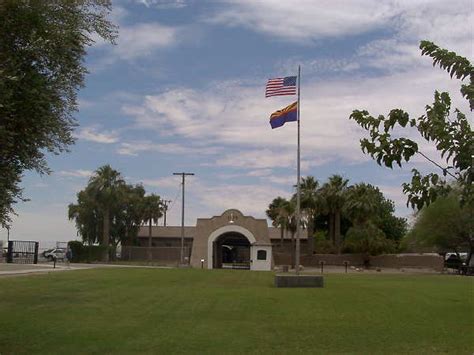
point(298, 192)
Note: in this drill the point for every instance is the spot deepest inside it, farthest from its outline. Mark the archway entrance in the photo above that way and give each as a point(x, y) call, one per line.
point(231, 250)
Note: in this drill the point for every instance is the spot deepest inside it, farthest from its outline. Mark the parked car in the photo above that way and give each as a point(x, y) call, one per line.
point(453, 261)
point(57, 253)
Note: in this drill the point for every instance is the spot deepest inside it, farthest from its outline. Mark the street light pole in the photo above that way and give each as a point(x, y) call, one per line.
point(165, 205)
point(183, 180)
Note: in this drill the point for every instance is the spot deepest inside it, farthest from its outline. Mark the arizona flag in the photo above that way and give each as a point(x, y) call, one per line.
point(288, 114)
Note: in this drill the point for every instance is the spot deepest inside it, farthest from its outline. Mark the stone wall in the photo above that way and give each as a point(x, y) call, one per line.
point(314, 260)
point(398, 261)
point(392, 261)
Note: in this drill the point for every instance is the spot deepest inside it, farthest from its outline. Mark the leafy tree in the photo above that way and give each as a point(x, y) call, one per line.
point(369, 240)
point(130, 212)
point(333, 195)
point(42, 49)
point(449, 131)
point(125, 216)
point(365, 236)
point(357, 205)
point(109, 211)
point(444, 224)
point(394, 228)
point(152, 210)
point(367, 203)
point(87, 217)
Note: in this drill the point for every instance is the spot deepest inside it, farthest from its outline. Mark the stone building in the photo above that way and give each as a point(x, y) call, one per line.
point(230, 240)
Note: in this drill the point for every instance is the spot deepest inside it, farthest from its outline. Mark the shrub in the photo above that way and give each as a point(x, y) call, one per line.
point(322, 245)
point(86, 253)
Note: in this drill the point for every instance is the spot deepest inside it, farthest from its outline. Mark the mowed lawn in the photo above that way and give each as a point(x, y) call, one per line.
point(169, 311)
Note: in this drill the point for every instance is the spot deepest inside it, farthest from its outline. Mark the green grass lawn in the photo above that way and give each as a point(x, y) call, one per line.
point(227, 311)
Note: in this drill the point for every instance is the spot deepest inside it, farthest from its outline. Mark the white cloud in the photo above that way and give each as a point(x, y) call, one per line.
point(137, 41)
point(251, 199)
point(163, 4)
point(238, 116)
point(281, 180)
point(306, 20)
point(257, 159)
point(143, 39)
point(79, 173)
point(135, 147)
point(260, 172)
point(93, 135)
point(168, 182)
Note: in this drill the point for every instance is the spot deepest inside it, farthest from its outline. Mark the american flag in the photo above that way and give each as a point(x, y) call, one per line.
point(281, 86)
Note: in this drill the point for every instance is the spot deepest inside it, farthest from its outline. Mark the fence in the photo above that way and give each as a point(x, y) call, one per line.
point(22, 252)
point(160, 255)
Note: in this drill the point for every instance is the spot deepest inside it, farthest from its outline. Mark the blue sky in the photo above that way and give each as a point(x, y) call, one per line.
point(183, 90)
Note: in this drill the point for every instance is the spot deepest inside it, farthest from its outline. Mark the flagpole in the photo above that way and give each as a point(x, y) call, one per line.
point(298, 192)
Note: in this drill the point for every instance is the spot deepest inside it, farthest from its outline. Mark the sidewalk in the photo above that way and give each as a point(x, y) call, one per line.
point(21, 269)
point(25, 269)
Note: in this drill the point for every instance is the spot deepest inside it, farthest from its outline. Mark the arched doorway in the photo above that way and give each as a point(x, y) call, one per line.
point(232, 238)
point(231, 250)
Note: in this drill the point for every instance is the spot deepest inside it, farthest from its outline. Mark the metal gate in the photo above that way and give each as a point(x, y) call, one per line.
point(22, 252)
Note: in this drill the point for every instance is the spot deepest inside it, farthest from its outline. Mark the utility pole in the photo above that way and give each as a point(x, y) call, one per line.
point(183, 180)
point(165, 208)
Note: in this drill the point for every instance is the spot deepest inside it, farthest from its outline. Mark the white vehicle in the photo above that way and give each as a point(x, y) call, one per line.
point(57, 253)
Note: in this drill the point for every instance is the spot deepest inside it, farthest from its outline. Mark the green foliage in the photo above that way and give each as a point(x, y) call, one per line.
point(366, 203)
point(451, 134)
point(276, 212)
point(151, 208)
point(42, 49)
point(310, 203)
point(361, 203)
point(357, 205)
point(86, 253)
point(368, 239)
point(333, 198)
point(110, 211)
point(455, 65)
point(444, 224)
point(322, 245)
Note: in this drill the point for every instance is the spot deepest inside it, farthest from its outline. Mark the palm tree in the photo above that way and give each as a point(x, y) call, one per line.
point(310, 201)
point(334, 197)
point(104, 185)
point(152, 211)
point(277, 213)
point(361, 203)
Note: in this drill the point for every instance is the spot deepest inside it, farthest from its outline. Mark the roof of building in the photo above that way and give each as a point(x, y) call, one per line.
point(275, 233)
point(189, 232)
point(166, 232)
